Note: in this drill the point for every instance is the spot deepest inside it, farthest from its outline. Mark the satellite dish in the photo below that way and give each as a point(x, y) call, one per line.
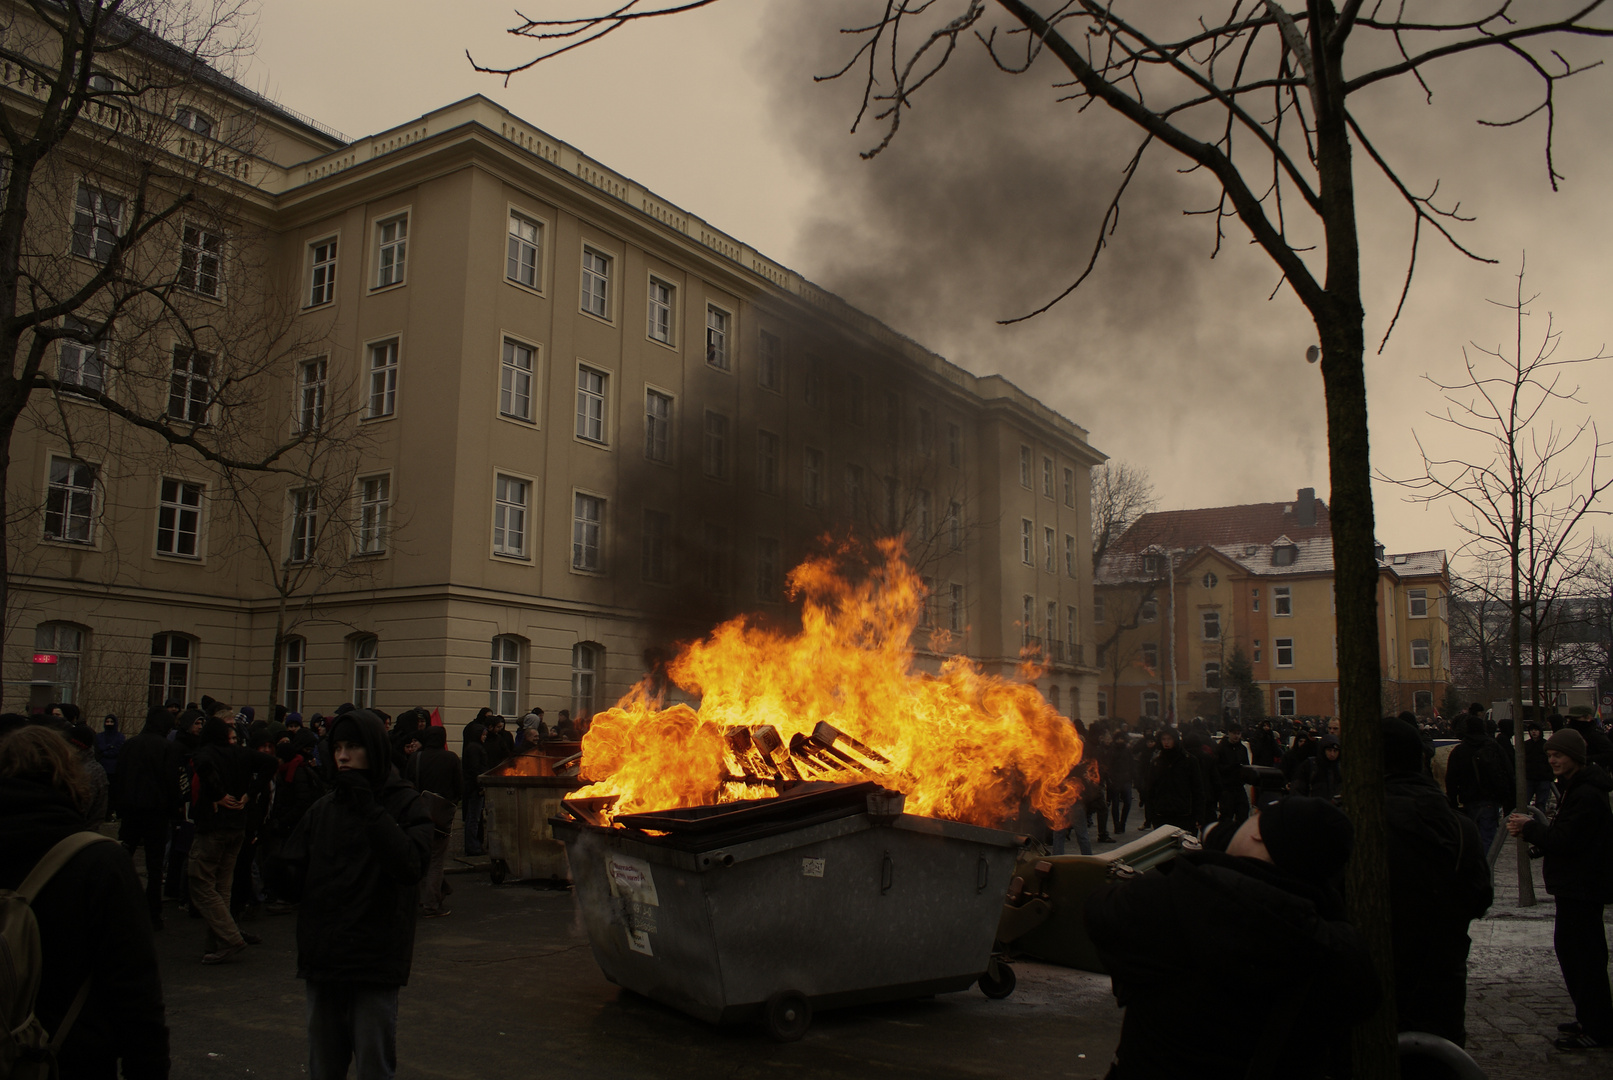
point(1312, 354)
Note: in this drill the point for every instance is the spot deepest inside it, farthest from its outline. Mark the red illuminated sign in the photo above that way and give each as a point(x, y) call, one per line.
point(44, 658)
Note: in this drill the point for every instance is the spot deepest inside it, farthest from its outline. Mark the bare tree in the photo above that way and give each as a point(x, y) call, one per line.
point(1523, 482)
point(1478, 630)
point(1121, 493)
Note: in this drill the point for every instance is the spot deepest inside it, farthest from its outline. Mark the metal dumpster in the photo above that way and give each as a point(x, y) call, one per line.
point(523, 792)
point(1044, 917)
point(824, 897)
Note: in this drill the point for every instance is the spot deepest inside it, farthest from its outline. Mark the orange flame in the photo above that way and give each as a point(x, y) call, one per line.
point(962, 744)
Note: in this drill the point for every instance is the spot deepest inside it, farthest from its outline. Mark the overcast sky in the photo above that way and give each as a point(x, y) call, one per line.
point(986, 204)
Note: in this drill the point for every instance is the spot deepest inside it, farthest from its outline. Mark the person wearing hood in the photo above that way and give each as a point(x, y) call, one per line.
point(354, 864)
point(1477, 780)
point(436, 769)
point(297, 784)
point(108, 745)
point(1176, 787)
point(1238, 963)
point(473, 763)
point(1303, 750)
point(1439, 882)
point(1578, 850)
point(531, 732)
point(225, 775)
point(1322, 777)
point(500, 743)
point(149, 798)
point(83, 740)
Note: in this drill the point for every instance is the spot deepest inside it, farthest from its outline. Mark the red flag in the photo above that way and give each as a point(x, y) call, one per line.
point(436, 718)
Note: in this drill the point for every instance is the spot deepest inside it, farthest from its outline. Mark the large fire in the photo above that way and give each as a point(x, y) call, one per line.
point(961, 744)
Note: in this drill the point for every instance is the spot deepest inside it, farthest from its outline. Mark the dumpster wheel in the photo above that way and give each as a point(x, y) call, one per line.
point(786, 1016)
point(998, 980)
point(498, 871)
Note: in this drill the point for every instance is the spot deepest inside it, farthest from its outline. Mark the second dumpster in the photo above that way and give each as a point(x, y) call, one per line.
point(523, 792)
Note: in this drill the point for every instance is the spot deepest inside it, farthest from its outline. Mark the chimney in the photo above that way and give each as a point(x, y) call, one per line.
point(1305, 508)
point(1377, 551)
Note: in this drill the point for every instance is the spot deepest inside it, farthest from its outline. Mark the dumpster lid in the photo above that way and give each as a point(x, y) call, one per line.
point(701, 828)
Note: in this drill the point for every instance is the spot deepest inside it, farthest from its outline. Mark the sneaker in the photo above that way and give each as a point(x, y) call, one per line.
point(226, 953)
point(1573, 1043)
point(434, 913)
point(251, 939)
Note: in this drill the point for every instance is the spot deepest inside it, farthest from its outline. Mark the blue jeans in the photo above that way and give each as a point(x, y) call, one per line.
point(1540, 793)
point(472, 809)
point(1487, 816)
point(1078, 828)
point(352, 1022)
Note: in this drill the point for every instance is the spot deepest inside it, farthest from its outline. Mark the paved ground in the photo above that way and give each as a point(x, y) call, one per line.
point(506, 986)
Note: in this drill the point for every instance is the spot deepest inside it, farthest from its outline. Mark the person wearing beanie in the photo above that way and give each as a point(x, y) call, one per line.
point(353, 864)
point(1439, 882)
point(1220, 957)
point(1578, 850)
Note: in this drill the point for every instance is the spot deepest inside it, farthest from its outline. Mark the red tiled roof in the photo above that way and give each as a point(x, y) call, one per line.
point(1254, 523)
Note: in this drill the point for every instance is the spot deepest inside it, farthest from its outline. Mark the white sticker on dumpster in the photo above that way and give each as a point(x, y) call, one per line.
point(631, 879)
point(811, 867)
point(639, 942)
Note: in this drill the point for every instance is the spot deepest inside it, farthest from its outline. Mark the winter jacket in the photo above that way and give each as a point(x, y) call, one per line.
point(1598, 747)
point(92, 924)
point(297, 786)
point(1319, 777)
point(354, 862)
point(473, 758)
point(1117, 764)
point(148, 772)
point(1302, 751)
point(108, 744)
point(1263, 749)
point(227, 770)
point(1477, 773)
point(436, 769)
point(1439, 881)
point(1578, 844)
point(1536, 769)
point(1176, 790)
point(1230, 758)
point(1208, 949)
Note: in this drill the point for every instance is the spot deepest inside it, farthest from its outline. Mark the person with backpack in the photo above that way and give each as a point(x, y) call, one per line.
point(99, 1002)
point(1477, 781)
point(1578, 850)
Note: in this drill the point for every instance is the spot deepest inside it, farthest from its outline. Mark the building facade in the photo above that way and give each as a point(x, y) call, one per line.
point(585, 425)
point(1185, 597)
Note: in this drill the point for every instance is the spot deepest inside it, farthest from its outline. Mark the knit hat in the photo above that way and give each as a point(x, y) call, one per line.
point(1330, 742)
point(1308, 838)
point(1402, 747)
point(1570, 742)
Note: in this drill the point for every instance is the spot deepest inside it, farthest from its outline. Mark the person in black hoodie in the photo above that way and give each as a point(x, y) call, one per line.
point(354, 862)
point(1439, 881)
point(436, 769)
point(148, 799)
point(187, 738)
point(473, 763)
point(225, 774)
point(1176, 790)
point(1477, 780)
point(91, 917)
point(1118, 769)
point(1536, 769)
point(1239, 963)
point(1231, 755)
point(1578, 850)
point(1321, 777)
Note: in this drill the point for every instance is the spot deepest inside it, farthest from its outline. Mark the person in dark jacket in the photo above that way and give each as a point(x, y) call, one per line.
point(1119, 767)
point(1439, 881)
point(1598, 747)
point(244, 894)
point(1239, 963)
point(1264, 749)
point(1477, 780)
point(1536, 769)
point(108, 744)
point(91, 917)
point(83, 740)
point(224, 777)
point(1176, 790)
point(1303, 750)
point(297, 785)
point(1578, 850)
point(1322, 777)
point(473, 763)
point(149, 799)
point(1231, 755)
point(436, 769)
point(355, 862)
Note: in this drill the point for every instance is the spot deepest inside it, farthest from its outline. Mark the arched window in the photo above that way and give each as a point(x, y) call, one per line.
point(294, 665)
point(171, 659)
point(366, 658)
point(587, 664)
point(57, 648)
point(504, 680)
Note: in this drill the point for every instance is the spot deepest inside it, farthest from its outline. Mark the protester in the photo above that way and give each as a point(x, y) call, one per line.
point(91, 917)
point(1322, 777)
point(1231, 755)
point(1237, 963)
point(1119, 767)
point(149, 799)
point(246, 894)
point(355, 862)
point(435, 770)
point(108, 745)
point(1303, 750)
point(1439, 881)
point(1537, 770)
point(531, 732)
point(473, 763)
point(297, 785)
point(187, 736)
point(1476, 779)
point(83, 740)
point(224, 777)
point(1176, 789)
point(1578, 850)
point(1264, 749)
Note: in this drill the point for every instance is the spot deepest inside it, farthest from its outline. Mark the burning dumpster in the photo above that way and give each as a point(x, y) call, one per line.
point(523, 792)
point(767, 909)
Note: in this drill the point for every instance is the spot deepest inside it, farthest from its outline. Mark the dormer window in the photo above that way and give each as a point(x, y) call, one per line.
point(191, 120)
point(1150, 564)
point(1286, 555)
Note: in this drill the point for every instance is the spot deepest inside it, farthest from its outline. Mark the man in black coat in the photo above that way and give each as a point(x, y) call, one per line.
point(1477, 781)
point(1578, 847)
point(1439, 881)
point(1176, 787)
point(1263, 747)
point(225, 775)
point(354, 862)
point(149, 799)
point(1239, 963)
point(436, 769)
point(473, 763)
point(1231, 755)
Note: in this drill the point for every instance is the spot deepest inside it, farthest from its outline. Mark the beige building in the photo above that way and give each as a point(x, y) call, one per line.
point(584, 425)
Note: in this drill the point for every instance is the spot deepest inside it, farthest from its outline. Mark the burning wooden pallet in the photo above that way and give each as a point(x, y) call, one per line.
point(759, 755)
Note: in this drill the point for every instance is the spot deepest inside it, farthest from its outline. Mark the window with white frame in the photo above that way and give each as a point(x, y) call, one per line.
point(523, 262)
point(587, 664)
point(657, 425)
point(190, 388)
point(383, 379)
point(366, 664)
point(812, 476)
point(1282, 600)
point(304, 524)
point(591, 404)
point(1103, 704)
point(714, 457)
point(770, 362)
point(1069, 555)
point(717, 548)
point(70, 501)
point(1285, 651)
point(1210, 625)
point(1419, 652)
point(955, 446)
point(504, 676)
point(1047, 477)
point(1069, 487)
point(81, 361)
point(955, 524)
point(596, 282)
point(201, 254)
point(587, 522)
point(1287, 703)
point(509, 515)
point(767, 462)
point(97, 223)
point(1150, 654)
point(1417, 604)
point(294, 672)
point(718, 328)
point(179, 518)
point(391, 250)
point(1212, 675)
point(194, 120)
point(1151, 704)
point(1047, 550)
point(769, 568)
point(516, 368)
point(657, 562)
point(660, 314)
point(1025, 467)
point(321, 272)
point(955, 609)
point(311, 383)
point(374, 513)
point(171, 657)
point(1025, 532)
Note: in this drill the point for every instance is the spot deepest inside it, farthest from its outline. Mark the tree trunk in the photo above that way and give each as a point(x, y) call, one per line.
point(1526, 880)
point(278, 659)
point(5, 546)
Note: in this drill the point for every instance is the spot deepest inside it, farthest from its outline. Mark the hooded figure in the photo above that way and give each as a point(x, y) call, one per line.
point(1322, 777)
point(354, 863)
point(473, 763)
point(1176, 787)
